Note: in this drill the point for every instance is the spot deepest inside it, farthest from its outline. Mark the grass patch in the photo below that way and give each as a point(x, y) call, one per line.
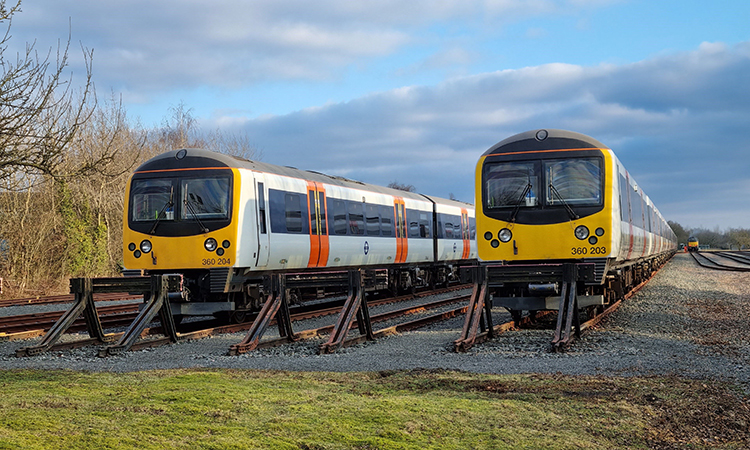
point(422, 409)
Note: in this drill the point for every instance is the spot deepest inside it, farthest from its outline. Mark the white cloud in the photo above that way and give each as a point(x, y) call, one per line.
point(679, 139)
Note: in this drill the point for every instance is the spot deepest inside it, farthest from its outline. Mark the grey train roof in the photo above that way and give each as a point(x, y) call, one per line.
point(199, 158)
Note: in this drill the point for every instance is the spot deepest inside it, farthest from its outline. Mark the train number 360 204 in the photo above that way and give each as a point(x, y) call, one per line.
point(588, 251)
point(215, 261)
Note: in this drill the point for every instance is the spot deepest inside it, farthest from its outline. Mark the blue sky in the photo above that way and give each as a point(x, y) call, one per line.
point(416, 91)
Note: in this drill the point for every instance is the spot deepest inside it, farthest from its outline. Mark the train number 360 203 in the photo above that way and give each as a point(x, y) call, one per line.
point(587, 251)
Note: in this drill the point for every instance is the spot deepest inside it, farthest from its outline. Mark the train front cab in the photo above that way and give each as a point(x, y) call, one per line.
point(544, 214)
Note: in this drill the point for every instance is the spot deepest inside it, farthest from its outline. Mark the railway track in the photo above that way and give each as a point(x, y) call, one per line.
point(111, 316)
point(66, 298)
point(729, 261)
point(27, 326)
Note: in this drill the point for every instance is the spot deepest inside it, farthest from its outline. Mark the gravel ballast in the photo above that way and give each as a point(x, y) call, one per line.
point(687, 321)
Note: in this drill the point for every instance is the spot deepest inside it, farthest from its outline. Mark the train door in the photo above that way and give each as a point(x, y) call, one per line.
point(261, 221)
point(465, 233)
point(402, 245)
point(316, 199)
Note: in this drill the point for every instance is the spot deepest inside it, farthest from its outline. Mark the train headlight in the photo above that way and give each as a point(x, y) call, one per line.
point(210, 244)
point(582, 232)
point(145, 246)
point(504, 235)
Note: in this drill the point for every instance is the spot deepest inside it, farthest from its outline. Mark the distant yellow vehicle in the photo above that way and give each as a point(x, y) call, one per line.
point(692, 244)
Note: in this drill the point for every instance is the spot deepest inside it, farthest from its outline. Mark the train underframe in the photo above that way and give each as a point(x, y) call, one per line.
point(531, 287)
point(236, 293)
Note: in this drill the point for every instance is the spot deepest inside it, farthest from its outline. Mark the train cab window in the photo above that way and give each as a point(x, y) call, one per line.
point(205, 198)
point(511, 184)
point(576, 181)
point(386, 220)
point(151, 197)
point(293, 208)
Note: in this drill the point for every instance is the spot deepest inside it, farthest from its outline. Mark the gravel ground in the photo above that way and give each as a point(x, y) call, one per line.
point(687, 321)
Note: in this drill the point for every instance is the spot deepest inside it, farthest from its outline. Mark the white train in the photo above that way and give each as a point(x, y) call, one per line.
point(225, 223)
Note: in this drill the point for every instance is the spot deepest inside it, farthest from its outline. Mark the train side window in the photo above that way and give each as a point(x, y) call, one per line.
point(448, 230)
point(624, 203)
point(386, 220)
point(424, 225)
point(356, 219)
point(313, 215)
point(322, 207)
point(293, 210)
point(373, 219)
point(636, 207)
point(339, 217)
point(412, 218)
point(472, 228)
point(262, 208)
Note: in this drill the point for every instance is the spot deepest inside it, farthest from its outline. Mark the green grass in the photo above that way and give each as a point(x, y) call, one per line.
point(228, 409)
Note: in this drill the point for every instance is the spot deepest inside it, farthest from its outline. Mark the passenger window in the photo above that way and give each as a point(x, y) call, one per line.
point(448, 230)
point(293, 210)
point(386, 220)
point(356, 219)
point(339, 217)
point(413, 221)
point(373, 220)
point(624, 203)
point(424, 225)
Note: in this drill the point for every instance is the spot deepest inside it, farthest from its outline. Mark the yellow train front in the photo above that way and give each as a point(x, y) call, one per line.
point(552, 198)
point(693, 244)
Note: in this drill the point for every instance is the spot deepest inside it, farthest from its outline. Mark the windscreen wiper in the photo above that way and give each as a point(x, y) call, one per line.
point(195, 215)
point(522, 198)
point(570, 211)
point(170, 204)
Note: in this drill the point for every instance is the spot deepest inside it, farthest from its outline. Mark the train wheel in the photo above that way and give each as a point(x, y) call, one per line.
point(239, 316)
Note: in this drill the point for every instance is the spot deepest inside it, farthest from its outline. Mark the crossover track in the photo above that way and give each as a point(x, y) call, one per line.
point(729, 261)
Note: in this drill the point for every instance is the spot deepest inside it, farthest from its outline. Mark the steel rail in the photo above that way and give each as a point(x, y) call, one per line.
point(66, 298)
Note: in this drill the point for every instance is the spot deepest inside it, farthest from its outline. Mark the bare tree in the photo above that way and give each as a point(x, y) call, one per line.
point(402, 186)
point(180, 130)
point(40, 113)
